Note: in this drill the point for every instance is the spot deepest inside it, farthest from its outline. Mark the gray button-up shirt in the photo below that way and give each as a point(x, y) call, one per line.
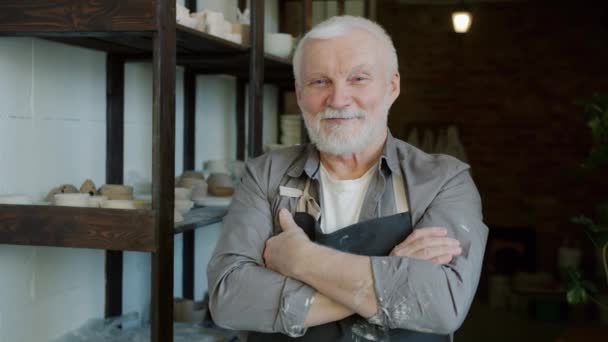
point(411, 293)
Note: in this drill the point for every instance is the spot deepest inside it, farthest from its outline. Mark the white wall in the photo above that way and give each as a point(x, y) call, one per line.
point(52, 131)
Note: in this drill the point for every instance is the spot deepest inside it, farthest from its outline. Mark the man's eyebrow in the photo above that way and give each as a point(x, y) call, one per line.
point(315, 75)
point(362, 67)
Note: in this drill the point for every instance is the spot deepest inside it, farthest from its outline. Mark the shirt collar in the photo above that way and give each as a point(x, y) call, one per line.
point(309, 162)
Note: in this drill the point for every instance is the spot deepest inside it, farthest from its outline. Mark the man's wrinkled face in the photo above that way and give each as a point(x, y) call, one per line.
point(345, 91)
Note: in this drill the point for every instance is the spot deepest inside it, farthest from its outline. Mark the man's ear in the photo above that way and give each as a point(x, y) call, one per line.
point(395, 85)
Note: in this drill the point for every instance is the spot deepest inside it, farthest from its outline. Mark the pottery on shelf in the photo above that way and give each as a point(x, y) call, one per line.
point(71, 200)
point(117, 191)
point(118, 204)
point(88, 187)
point(220, 184)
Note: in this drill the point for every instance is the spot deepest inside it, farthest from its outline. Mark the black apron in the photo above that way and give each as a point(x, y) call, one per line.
point(375, 237)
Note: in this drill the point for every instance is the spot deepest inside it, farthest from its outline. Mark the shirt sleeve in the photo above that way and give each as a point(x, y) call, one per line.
point(419, 295)
point(244, 295)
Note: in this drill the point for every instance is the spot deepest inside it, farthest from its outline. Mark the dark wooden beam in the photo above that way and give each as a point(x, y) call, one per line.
point(188, 271)
point(189, 118)
point(256, 79)
point(341, 9)
point(115, 83)
point(307, 15)
point(243, 4)
point(163, 170)
point(241, 115)
point(115, 70)
point(95, 228)
point(76, 15)
point(190, 4)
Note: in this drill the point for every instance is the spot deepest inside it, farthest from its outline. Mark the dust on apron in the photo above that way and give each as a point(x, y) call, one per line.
point(375, 237)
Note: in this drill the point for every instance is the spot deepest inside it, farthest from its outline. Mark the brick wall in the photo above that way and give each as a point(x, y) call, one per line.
point(510, 85)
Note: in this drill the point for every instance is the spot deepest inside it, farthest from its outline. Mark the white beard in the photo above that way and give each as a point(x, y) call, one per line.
point(339, 139)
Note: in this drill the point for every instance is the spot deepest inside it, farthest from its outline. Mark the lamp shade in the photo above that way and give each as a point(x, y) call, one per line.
point(462, 21)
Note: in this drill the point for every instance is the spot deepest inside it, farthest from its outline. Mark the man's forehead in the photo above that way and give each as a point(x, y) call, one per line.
point(357, 50)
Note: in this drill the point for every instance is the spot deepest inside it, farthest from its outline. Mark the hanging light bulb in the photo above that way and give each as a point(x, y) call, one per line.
point(462, 21)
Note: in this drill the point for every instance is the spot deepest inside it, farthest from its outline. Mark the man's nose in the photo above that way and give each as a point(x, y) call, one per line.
point(340, 96)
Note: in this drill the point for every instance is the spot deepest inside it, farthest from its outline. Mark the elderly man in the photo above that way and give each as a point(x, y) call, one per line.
point(358, 236)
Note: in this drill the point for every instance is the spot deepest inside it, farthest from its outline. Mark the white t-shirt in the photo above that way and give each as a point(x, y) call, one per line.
point(342, 199)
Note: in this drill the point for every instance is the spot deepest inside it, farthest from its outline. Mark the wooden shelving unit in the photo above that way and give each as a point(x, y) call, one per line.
point(130, 30)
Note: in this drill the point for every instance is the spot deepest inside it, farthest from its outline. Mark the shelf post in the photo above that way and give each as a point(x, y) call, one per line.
point(163, 170)
point(241, 85)
point(188, 271)
point(256, 80)
point(115, 69)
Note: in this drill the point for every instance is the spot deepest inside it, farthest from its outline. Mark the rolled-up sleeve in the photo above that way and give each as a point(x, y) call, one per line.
point(419, 295)
point(244, 295)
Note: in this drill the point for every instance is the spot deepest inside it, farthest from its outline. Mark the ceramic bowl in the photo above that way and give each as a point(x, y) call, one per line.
point(220, 184)
point(142, 203)
point(183, 193)
point(118, 204)
point(71, 200)
point(198, 186)
point(117, 191)
point(190, 183)
point(278, 44)
point(188, 21)
point(236, 38)
point(181, 11)
point(183, 206)
point(193, 174)
point(97, 201)
point(177, 217)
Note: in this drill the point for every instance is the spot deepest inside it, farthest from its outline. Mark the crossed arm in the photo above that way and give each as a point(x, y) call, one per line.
point(287, 283)
point(343, 291)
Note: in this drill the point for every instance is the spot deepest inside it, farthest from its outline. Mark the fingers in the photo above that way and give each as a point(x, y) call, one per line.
point(430, 252)
point(427, 243)
point(286, 220)
point(422, 233)
point(443, 259)
point(430, 244)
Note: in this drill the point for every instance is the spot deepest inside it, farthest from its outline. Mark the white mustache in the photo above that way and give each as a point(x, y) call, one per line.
point(329, 113)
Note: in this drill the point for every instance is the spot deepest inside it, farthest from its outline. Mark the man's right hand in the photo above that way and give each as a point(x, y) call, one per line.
point(430, 244)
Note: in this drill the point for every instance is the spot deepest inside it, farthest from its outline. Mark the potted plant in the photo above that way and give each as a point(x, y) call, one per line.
point(596, 224)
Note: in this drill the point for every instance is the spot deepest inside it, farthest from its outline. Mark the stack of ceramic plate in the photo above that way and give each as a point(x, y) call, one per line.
point(291, 126)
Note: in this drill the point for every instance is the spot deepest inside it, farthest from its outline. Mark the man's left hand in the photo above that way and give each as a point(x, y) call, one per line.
point(284, 252)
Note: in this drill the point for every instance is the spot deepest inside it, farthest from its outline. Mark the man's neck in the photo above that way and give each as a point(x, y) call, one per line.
point(353, 165)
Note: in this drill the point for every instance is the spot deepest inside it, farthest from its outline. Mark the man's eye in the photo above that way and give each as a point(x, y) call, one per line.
point(359, 79)
point(318, 82)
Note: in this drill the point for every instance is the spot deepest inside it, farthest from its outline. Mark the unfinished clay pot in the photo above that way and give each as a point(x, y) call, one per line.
point(88, 187)
point(220, 184)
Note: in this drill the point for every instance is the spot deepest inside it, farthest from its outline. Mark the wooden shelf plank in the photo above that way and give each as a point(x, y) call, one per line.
point(76, 15)
point(201, 52)
point(109, 229)
point(200, 217)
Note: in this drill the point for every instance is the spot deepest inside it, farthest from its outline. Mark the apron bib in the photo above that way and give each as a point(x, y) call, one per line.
point(375, 237)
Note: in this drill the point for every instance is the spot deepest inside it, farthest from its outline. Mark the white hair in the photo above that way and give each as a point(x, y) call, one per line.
point(339, 26)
